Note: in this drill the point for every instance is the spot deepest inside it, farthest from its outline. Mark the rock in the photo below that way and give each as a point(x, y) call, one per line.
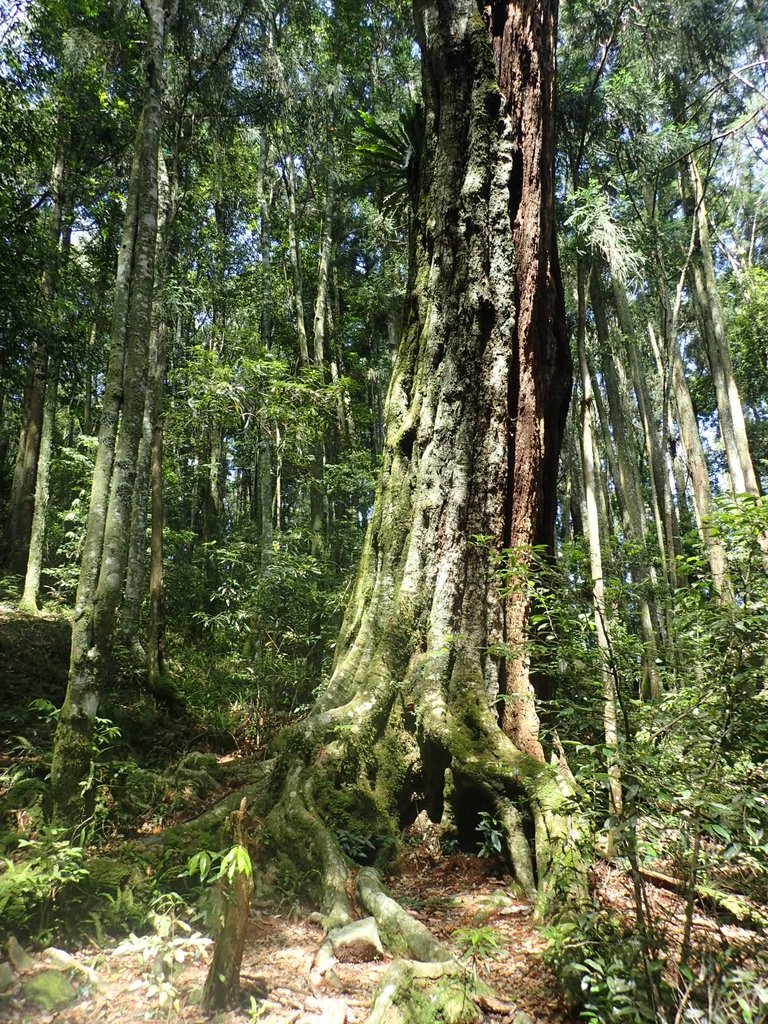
point(357, 943)
point(333, 982)
point(6, 976)
point(521, 1017)
point(49, 990)
point(18, 956)
point(334, 1012)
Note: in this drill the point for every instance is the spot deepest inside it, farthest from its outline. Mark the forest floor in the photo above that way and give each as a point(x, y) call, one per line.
point(117, 984)
point(160, 976)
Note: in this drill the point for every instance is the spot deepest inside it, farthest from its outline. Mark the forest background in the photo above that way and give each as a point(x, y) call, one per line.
point(281, 147)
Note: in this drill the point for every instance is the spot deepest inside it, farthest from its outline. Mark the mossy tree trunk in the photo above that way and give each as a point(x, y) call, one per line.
point(475, 414)
point(107, 536)
point(135, 579)
point(156, 623)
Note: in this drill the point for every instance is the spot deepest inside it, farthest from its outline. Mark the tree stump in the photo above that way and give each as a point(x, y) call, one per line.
point(234, 889)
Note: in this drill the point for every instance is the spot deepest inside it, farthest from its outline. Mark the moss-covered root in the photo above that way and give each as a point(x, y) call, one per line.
point(562, 843)
point(517, 846)
point(295, 820)
point(446, 996)
point(401, 933)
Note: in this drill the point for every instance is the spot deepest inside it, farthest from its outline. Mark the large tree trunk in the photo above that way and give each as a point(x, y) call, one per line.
point(105, 548)
point(475, 415)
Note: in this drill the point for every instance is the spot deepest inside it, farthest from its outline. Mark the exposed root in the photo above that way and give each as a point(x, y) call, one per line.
point(447, 996)
point(253, 793)
point(402, 933)
point(295, 817)
point(517, 845)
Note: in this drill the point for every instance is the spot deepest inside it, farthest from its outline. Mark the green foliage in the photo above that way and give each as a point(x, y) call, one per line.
point(70, 486)
point(356, 846)
point(603, 969)
point(391, 155)
point(477, 947)
point(491, 835)
point(163, 953)
point(50, 890)
point(692, 767)
point(598, 229)
point(235, 861)
point(31, 884)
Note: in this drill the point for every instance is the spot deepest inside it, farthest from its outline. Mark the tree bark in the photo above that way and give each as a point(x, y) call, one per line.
point(222, 983)
point(610, 718)
point(293, 248)
point(28, 601)
point(106, 542)
point(133, 593)
point(665, 518)
point(629, 491)
point(156, 623)
point(24, 486)
point(317, 484)
point(265, 443)
point(674, 380)
point(475, 415)
point(707, 299)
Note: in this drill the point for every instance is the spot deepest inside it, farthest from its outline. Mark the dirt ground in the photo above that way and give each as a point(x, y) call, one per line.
point(456, 893)
point(120, 985)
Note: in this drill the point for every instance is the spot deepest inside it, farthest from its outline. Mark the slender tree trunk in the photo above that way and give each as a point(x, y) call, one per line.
point(28, 601)
point(698, 471)
point(665, 518)
point(135, 581)
point(629, 491)
point(707, 299)
point(156, 624)
point(686, 418)
point(106, 542)
point(24, 486)
point(265, 443)
point(591, 482)
point(575, 476)
point(317, 484)
point(344, 417)
point(133, 594)
point(293, 249)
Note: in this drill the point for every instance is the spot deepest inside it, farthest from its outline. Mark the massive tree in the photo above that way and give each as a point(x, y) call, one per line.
point(431, 703)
